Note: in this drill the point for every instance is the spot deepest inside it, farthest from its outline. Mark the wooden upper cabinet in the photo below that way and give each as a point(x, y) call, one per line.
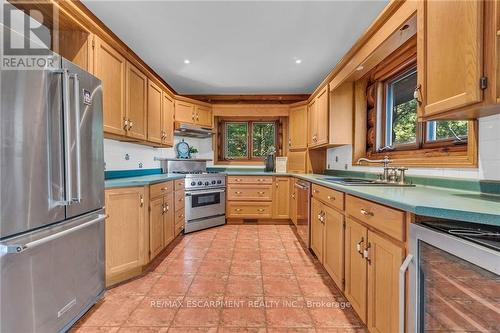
point(333, 254)
point(450, 54)
point(167, 119)
point(281, 202)
point(155, 100)
point(355, 267)
point(321, 111)
point(136, 110)
point(312, 124)
point(110, 67)
point(385, 258)
point(297, 128)
point(203, 116)
point(297, 161)
point(341, 114)
point(77, 47)
point(184, 112)
point(126, 233)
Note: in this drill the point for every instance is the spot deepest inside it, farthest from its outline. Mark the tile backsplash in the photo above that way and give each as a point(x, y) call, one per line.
point(126, 156)
point(340, 158)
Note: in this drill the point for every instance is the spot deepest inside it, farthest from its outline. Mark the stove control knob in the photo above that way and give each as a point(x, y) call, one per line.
point(207, 183)
point(213, 182)
point(219, 182)
point(193, 183)
point(200, 183)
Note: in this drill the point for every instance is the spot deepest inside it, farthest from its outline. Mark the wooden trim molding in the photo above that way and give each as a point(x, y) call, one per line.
point(250, 99)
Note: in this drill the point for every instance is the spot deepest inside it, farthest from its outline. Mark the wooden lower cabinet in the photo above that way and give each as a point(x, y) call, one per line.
point(126, 233)
point(161, 218)
point(281, 202)
point(317, 228)
point(155, 227)
point(383, 282)
point(333, 252)
point(355, 266)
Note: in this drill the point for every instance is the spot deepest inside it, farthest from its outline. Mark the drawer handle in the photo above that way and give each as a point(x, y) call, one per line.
point(261, 209)
point(261, 192)
point(238, 209)
point(260, 180)
point(316, 191)
point(181, 199)
point(330, 197)
point(237, 179)
point(164, 188)
point(237, 192)
point(366, 213)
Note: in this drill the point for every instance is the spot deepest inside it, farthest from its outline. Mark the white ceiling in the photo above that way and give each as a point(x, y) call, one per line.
point(239, 47)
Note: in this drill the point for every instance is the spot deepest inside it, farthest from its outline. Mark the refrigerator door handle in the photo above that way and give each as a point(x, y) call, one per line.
point(18, 248)
point(67, 138)
point(76, 92)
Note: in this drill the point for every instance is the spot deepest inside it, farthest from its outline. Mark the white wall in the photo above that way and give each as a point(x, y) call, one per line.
point(115, 151)
point(489, 156)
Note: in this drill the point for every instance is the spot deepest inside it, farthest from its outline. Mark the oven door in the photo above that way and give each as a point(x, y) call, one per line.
point(205, 203)
point(454, 284)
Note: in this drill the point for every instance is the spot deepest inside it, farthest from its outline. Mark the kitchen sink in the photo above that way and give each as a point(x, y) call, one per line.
point(364, 182)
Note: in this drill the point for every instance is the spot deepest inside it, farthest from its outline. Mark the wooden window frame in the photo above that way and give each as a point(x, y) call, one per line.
point(439, 153)
point(220, 142)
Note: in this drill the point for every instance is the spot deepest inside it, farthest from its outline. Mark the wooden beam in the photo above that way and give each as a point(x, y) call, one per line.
point(250, 99)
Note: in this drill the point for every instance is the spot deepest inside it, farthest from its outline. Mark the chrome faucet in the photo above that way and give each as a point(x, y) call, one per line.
point(390, 175)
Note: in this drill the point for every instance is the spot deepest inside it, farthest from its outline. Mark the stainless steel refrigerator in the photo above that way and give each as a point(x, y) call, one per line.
point(51, 197)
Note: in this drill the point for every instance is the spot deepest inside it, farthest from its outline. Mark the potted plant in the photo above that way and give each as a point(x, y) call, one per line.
point(193, 152)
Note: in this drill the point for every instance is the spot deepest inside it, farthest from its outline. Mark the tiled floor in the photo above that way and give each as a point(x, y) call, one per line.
point(248, 278)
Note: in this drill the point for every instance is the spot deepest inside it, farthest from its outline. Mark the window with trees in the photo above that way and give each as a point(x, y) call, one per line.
point(247, 140)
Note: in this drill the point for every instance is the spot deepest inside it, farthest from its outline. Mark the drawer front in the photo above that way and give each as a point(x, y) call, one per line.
point(179, 200)
point(250, 180)
point(236, 209)
point(178, 229)
point(387, 220)
point(179, 217)
point(156, 190)
point(179, 184)
point(330, 197)
point(250, 192)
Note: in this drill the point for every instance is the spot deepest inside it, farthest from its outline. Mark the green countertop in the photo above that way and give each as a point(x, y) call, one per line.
point(432, 201)
point(422, 200)
point(141, 180)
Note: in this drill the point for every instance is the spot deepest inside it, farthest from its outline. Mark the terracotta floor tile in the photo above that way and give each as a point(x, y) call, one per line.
point(276, 267)
point(192, 330)
point(154, 311)
point(281, 285)
point(273, 254)
point(244, 285)
point(212, 266)
point(143, 330)
point(198, 312)
point(245, 267)
point(241, 330)
point(113, 310)
point(317, 286)
point(171, 285)
point(332, 312)
point(288, 313)
point(219, 253)
point(246, 255)
point(242, 312)
point(290, 330)
point(208, 285)
point(138, 286)
point(94, 329)
point(182, 266)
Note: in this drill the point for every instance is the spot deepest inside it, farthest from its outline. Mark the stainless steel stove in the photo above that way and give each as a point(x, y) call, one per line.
point(205, 202)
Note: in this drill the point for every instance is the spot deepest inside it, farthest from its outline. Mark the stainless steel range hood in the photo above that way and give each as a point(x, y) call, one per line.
point(192, 131)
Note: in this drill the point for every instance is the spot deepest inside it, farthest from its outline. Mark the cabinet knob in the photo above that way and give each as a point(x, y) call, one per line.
point(130, 124)
point(125, 124)
point(261, 192)
point(237, 192)
point(261, 209)
point(366, 213)
point(238, 209)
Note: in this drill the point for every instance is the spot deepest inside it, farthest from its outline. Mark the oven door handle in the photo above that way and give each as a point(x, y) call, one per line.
point(402, 291)
point(188, 194)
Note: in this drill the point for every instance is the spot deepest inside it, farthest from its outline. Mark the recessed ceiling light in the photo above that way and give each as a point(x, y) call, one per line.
point(298, 61)
point(186, 61)
point(360, 68)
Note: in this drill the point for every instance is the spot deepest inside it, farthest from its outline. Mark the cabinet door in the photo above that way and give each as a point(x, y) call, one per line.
point(385, 258)
point(136, 93)
point(125, 231)
point(312, 125)
point(167, 120)
point(156, 227)
point(184, 112)
point(355, 267)
point(317, 228)
point(110, 69)
point(450, 54)
point(333, 255)
point(341, 114)
point(169, 219)
point(297, 161)
point(321, 111)
point(155, 100)
point(281, 202)
point(298, 130)
point(203, 116)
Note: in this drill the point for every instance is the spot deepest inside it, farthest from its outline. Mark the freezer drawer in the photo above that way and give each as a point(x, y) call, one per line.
point(49, 278)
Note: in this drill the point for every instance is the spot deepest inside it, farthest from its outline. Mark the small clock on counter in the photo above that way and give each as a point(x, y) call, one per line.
point(182, 150)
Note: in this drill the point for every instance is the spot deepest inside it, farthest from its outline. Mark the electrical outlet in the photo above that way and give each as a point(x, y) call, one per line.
point(336, 159)
point(140, 165)
point(346, 166)
point(127, 157)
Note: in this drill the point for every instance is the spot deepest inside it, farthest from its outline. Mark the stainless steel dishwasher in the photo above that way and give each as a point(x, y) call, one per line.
point(303, 208)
